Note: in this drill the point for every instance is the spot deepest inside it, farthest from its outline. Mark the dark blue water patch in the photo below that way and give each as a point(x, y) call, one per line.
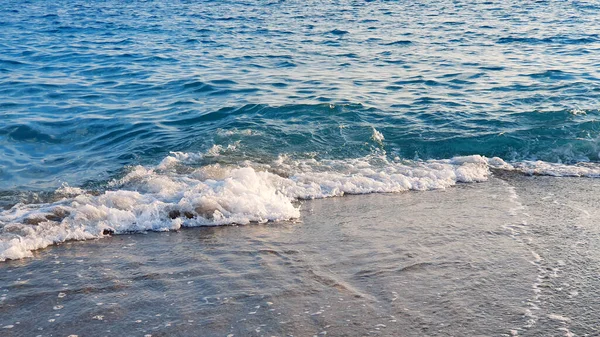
point(198, 86)
point(25, 133)
point(395, 61)
point(11, 63)
point(218, 115)
point(348, 55)
point(399, 43)
point(559, 39)
point(492, 68)
point(339, 32)
point(286, 64)
point(461, 82)
point(394, 87)
point(552, 75)
point(224, 82)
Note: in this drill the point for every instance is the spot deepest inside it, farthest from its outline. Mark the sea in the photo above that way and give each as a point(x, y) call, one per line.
point(299, 168)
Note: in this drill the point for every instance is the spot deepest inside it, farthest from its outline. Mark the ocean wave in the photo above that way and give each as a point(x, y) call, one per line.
point(175, 193)
point(182, 192)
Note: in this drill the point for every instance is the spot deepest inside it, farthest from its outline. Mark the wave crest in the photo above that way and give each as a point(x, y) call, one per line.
point(175, 193)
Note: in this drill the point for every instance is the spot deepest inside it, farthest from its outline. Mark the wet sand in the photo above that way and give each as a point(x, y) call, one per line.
point(514, 256)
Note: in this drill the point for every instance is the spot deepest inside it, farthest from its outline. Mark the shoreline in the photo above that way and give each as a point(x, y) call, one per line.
point(474, 259)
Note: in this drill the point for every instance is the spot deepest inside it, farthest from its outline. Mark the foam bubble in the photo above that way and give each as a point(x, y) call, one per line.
point(165, 197)
point(377, 137)
point(590, 170)
point(161, 199)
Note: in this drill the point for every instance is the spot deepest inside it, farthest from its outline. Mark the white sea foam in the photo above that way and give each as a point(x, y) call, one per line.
point(174, 194)
point(235, 131)
point(377, 137)
point(161, 199)
point(216, 150)
point(590, 170)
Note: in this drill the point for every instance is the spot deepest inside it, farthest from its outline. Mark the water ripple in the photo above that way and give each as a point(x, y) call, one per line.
point(87, 89)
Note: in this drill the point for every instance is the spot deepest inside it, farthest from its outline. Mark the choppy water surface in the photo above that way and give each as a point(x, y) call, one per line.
point(89, 88)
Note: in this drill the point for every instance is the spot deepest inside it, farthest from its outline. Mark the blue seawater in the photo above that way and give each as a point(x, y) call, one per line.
point(91, 90)
point(88, 88)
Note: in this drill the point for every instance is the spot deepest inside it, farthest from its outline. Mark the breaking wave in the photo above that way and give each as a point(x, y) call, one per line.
point(181, 192)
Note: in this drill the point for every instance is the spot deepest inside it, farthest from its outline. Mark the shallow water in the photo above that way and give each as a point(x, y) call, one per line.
point(515, 256)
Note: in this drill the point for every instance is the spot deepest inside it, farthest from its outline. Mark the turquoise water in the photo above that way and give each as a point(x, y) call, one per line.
point(125, 117)
point(88, 89)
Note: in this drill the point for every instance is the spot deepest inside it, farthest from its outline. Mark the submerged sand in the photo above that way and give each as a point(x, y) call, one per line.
point(513, 256)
